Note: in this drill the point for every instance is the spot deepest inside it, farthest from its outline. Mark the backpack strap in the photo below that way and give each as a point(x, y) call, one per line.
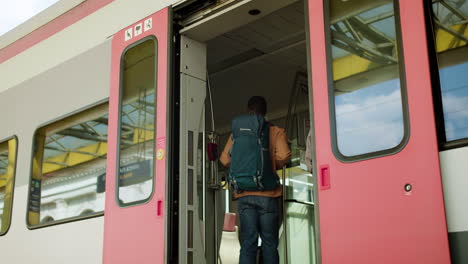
point(264, 128)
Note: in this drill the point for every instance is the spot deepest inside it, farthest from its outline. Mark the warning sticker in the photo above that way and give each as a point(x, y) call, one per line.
point(148, 24)
point(160, 154)
point(128, 34)
point(138, 29)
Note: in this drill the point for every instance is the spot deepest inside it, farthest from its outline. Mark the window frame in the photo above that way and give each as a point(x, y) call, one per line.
point(119, 121)
point(33, 148)
point(443, 143)
point(403, 91)
point(6, 140)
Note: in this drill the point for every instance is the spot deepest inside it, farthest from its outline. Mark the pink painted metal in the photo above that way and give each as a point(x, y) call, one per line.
point(136, 234)
point(366, 216)
point(72, 16)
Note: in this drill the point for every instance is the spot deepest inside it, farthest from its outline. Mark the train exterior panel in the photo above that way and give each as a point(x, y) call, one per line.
point(59, 91)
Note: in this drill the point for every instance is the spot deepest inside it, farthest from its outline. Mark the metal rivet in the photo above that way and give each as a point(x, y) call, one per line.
point(408, 187)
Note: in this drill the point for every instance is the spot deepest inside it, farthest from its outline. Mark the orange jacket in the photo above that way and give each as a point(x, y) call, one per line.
point(280, 155)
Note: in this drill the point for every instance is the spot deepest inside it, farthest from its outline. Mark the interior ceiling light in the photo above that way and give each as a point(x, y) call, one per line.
point(254, 12)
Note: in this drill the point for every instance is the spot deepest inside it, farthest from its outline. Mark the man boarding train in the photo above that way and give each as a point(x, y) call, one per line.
point(253, 153)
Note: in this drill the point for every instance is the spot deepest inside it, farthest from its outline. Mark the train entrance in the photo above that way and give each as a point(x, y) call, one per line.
point(256, 48)
point(374, 141)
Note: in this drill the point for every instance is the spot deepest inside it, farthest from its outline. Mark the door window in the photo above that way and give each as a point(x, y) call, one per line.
point(137, 128)
point(366, 78)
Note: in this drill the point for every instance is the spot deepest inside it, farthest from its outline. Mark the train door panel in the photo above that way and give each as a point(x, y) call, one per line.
point(376, 158)
point(192, 126)
point(134, 224)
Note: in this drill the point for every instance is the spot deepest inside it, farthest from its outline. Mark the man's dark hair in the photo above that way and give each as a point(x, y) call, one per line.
point(257, 105)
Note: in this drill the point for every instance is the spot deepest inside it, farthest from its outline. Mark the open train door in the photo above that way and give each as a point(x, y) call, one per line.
point(376, 158)
point(135, 212)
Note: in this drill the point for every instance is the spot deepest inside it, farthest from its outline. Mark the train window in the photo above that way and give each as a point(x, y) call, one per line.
point(451, 38)
point(366, 79)
point(7, 178)
point(137, 123)
point(68, 168)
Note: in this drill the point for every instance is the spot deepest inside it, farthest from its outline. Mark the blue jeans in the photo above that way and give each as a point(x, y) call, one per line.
point(259, 215)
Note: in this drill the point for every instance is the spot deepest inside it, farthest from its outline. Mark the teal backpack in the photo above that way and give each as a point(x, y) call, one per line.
point(251, 165)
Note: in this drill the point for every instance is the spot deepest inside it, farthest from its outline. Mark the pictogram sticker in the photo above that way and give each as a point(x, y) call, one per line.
point(138, 29)
point(148, 24)
point(160, 154)
point(128, 34)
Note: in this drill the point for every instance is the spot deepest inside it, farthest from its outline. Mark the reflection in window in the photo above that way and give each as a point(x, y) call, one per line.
point(451, 35)
point(69, 167)
point(366, 78)
point(7, 175)
point(137, 124)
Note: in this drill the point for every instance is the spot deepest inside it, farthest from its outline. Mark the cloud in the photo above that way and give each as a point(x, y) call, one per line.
point(456, 116)
point(370, 119)
point(454, 84)
point(13, 13)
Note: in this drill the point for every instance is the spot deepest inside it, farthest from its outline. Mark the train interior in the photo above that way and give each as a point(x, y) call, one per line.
point(261, 52)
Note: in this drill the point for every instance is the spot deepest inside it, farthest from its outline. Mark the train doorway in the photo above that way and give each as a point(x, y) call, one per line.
point(255, 48)
point(375, 151)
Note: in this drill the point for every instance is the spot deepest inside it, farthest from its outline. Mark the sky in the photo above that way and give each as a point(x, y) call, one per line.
point(13, 13)
point(455, 100)
point(371, 119)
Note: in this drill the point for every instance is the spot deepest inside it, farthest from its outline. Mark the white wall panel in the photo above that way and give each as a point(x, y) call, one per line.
point(79, 37)
point(454, 166)
point(77, 242)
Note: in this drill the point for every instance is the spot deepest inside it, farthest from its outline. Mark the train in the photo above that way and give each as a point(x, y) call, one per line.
point(112, 112)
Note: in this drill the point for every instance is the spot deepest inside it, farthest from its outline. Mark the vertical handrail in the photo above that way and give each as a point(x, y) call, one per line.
point(285, 227)
point(215, 184)
point(216, 227)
